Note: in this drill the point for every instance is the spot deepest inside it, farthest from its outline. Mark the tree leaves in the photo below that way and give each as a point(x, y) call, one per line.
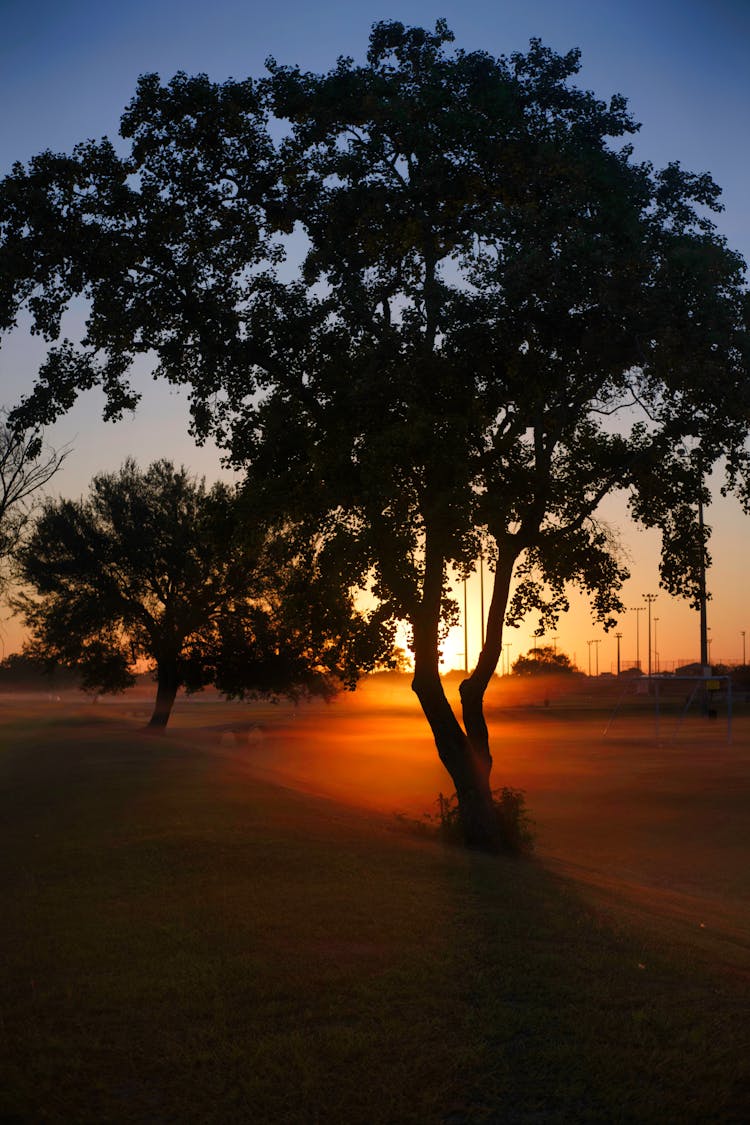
point(155, 566)
point(493, 314)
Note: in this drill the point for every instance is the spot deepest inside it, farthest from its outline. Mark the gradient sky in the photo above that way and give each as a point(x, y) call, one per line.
point(69, 67)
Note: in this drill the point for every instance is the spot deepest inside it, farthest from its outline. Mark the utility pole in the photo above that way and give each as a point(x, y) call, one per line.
point(619, 638)
point(637, 610)
point(702, 595)
point(650, 598)
point(656, 648)
point(481, 593)
point(466, 632)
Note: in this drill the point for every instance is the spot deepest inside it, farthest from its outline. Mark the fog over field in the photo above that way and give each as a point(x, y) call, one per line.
point(652, 822)
point(652, 826)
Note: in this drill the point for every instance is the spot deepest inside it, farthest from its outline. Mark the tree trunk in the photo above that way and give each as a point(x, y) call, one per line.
point(473, 688)
point(469, 771)
point(167, 685)
point(472, 691)
point(468, 763)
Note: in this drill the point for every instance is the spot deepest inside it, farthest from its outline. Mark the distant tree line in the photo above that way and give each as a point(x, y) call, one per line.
point(543, 660)
point(21, 671)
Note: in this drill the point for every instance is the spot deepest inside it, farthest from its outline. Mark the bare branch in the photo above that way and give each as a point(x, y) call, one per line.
point(26, 466)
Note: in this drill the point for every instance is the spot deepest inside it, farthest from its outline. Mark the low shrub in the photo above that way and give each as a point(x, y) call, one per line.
point(516, 828)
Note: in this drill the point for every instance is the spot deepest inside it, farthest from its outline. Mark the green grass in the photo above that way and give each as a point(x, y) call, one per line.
point(183, 943)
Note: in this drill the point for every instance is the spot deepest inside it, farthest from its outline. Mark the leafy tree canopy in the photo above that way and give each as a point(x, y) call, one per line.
point(543, 661)
point(153, 565)
point(500, 316)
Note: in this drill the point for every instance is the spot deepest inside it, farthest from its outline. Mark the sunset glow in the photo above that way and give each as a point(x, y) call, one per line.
point(609, 807)
point(61, 59)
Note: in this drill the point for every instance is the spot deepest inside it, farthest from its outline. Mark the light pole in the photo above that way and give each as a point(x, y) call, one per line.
point(744, 661)
point(554, 643)
point(589, 643)
point(702, 593)
point(597, 643)
point(481, 593)
point(507, 647)
point(637, 610)
point(656, 648)
point(619, 638)
point(650, 598)
point(466, 632)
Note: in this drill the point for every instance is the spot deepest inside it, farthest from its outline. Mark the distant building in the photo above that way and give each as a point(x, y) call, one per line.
point(696, 669)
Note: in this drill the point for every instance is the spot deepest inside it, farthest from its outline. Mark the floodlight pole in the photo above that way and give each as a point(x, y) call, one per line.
point(637, 610)
point(466, 632)
point(619, 638)
point(650, 598)
point(702, 595)
point(656, 648)
point(481, 592)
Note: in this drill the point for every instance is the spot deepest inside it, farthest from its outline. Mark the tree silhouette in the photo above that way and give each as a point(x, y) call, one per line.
point(154, 566)
point(501, 317)
point(543, 661)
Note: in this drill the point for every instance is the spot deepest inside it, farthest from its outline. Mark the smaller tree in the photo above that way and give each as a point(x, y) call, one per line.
point(543, 661)
point(154, 566)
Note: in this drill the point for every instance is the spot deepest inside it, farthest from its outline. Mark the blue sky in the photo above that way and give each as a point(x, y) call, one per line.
point(68, 68)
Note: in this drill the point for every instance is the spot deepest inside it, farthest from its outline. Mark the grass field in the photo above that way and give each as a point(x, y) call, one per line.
point(228, 924)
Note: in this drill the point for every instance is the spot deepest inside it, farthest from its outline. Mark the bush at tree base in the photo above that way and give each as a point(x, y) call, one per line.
point(515, 824)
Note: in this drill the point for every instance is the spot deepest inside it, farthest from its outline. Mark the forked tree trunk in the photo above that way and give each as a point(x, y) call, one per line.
point(464, 751)
point(473, 688)
point(468, 761)
point(166, 691)
point(469, 770)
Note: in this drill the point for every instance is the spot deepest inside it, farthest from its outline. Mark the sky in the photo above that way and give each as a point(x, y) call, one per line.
point(69, 67)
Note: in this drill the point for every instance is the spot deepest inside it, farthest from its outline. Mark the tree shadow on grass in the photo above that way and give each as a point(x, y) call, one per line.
point(190, 943)
point(585, 1017)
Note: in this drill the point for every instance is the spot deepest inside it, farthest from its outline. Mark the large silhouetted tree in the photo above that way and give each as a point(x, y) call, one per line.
point(154, 566)
point(500, 317)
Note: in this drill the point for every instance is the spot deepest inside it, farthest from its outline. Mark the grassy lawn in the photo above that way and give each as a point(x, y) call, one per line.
point(183, 942)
